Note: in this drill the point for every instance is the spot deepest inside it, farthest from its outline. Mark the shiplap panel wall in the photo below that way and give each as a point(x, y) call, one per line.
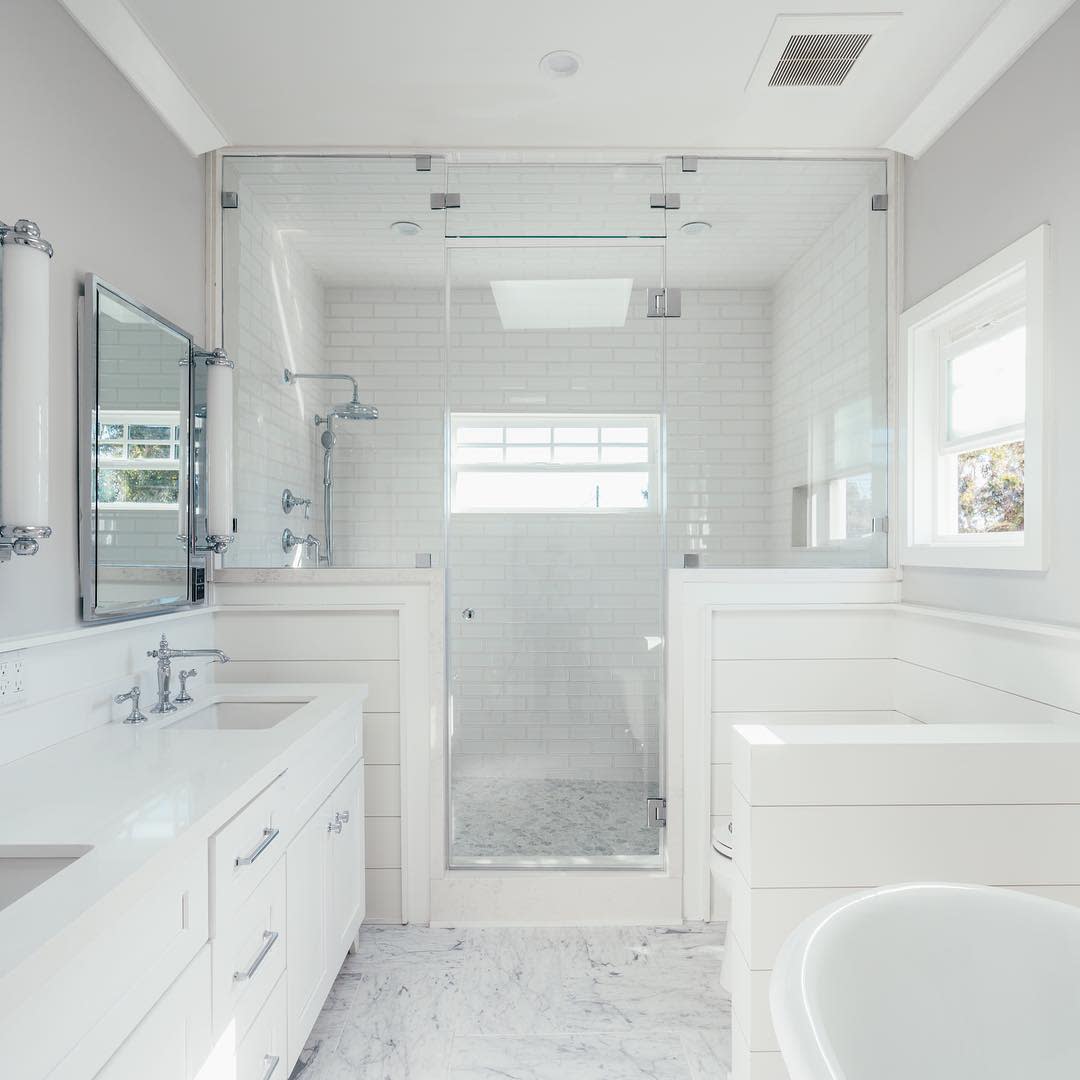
point(794, 666)
point(338, 646)
point(874, 664)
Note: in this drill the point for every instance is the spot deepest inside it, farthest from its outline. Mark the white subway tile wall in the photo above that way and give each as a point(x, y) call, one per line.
point(273, 319)
point(558, 674)
point(719, 427)
point(828, 385)
point(388, 492)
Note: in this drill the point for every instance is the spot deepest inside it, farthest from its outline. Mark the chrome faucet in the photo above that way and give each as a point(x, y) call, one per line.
point(164, 655)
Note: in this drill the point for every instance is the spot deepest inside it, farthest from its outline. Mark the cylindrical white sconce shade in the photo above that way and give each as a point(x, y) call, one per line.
point(219, 438)
point(24, 387)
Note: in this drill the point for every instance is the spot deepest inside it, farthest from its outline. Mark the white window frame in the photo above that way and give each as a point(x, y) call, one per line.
point(149, 417)
point(1012, 280)
point(650, 421)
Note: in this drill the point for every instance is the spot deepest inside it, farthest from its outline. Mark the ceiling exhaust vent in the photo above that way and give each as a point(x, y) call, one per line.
point(818, 59)
point(810, 51)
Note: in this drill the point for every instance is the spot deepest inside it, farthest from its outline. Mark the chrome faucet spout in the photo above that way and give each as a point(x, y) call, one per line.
point(164, 656)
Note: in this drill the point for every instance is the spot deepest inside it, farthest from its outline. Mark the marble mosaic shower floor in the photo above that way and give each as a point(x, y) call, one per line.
point(517, 1003)
point(508, 818)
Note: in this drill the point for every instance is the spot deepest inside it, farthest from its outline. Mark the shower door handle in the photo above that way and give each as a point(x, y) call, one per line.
point(468, 614)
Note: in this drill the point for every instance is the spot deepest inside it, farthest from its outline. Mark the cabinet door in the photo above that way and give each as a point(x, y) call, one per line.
point(307, 872)
point(173, 1040)
point(346, 862)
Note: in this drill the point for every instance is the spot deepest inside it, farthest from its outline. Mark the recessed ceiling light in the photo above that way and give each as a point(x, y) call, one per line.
point(560, 64)
point(696, 228)
point(405, 228)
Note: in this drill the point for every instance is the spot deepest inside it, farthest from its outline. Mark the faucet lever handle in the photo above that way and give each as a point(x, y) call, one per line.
point(136, 716)
point(184, 696)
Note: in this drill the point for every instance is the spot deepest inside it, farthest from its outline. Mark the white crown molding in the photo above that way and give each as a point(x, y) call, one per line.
point(114, 30)
point(1005, 37)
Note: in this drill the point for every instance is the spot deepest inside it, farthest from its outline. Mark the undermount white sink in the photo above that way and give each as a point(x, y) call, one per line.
point(237, 715)
point(23, 867)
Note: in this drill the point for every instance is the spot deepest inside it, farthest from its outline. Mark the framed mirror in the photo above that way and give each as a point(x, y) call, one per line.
point(137, 465)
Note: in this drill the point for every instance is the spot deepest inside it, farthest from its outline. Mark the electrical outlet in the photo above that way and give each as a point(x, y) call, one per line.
point(12, 679)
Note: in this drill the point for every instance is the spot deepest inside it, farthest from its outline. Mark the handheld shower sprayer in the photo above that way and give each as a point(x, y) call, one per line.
point(348, 410)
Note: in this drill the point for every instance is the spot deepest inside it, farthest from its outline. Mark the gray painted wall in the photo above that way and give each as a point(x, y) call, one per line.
point(1008, 164)
point(117, 195)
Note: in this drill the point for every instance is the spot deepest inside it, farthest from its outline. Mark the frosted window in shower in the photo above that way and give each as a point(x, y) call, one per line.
point(531, 463)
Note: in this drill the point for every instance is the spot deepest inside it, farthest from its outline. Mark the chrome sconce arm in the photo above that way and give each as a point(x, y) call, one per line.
point(21, 539)
point(24, 389)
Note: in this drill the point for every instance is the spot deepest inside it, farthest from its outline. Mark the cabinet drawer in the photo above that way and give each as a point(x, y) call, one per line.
point(245, 850)
point(249, 954)
point(262, 1053)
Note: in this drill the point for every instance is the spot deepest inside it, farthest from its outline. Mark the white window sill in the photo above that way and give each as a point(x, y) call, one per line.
point(1023, 557)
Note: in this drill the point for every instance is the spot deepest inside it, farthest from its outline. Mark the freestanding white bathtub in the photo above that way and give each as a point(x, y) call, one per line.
point(931, 982)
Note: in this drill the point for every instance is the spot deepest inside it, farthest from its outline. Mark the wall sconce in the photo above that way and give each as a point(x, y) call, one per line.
point(220, 512)
point(24, 389)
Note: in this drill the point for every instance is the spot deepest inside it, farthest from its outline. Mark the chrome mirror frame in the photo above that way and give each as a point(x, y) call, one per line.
point(194, 593)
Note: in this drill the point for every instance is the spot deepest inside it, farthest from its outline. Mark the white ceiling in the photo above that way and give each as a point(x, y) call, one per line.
point(464, 75)
point(335, 214)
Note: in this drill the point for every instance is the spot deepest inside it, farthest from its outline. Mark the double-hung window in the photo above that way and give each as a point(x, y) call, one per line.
point(974, 430)
point(138, 456)
point(553, 463)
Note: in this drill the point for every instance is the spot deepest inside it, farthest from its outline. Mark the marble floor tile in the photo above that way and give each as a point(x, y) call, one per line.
point(656, 1056)
point(507, 818)
point(532, 1002)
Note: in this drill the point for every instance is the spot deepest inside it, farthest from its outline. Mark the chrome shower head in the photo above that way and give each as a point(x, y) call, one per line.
point(355, 410)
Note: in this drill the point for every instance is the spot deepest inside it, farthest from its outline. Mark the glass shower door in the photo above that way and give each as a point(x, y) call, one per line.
point(554, 552)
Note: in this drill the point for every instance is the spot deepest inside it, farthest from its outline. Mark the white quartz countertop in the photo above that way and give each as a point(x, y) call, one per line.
point(137, 795)
point(905, 764)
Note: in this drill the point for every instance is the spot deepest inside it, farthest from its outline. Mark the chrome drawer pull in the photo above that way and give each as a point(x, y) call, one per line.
point(269, 937)
point(271, 1066)
point(269, 835)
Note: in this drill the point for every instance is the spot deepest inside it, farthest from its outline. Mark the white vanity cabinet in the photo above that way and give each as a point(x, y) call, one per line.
point(173, 1041)
point(223, 966)
point(324, 903)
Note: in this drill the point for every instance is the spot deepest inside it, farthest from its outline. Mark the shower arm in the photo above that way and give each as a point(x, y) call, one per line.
point(292, 376)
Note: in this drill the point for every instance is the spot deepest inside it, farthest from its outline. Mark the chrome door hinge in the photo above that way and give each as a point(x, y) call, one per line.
point(664, 304)
point(689, 163)
point(879, 202)
point(879, 524)
point(423, 163)
point(445, 201)
point(660, 201)
point(230, 200)
point(657, 811)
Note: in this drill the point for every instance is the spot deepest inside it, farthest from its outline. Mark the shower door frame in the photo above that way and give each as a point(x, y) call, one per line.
point(664, 845)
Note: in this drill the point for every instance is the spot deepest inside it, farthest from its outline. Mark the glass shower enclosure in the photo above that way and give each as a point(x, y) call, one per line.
point(585, 376)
